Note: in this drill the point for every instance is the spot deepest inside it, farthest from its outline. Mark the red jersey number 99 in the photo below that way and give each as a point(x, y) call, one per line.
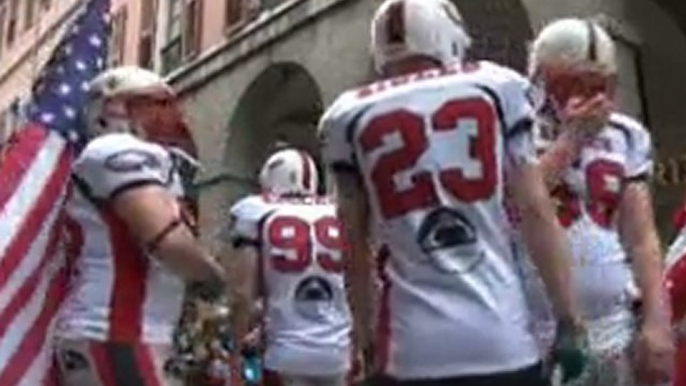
point(291, 233)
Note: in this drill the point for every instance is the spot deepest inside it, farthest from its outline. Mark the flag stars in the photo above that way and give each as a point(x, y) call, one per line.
point(72, 136)
point(85, 87)
point(95, 41)
point(68, 49)
point(47, 118)
point(69, 112)
point(81, 65)
point(64, 89)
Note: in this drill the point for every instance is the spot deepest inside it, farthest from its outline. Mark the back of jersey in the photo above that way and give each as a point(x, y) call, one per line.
point(308, 321)
point(433, 149)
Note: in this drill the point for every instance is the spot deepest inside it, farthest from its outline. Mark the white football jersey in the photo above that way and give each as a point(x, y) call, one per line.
point(433, 149)
point(307, 321)
point(118, 293)
point(588, 199)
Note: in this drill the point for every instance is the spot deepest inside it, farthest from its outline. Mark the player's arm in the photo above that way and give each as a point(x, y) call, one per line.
point(639, 236)
point(242, 267)
point(353, 210)
point(130, 178)
point(154, 217)
point(240, 255)
point(544, 237)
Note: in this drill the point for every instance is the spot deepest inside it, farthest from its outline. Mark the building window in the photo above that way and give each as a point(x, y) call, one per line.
point(12, 21)
point(630, 91)
point(29, 13)
point(146, 43)
point(45, 4)
point(234, 13)
point(192, 32)
point(118, 38)
point(184, 32)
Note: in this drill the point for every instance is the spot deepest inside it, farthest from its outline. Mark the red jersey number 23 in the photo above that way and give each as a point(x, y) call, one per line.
point(411, 127)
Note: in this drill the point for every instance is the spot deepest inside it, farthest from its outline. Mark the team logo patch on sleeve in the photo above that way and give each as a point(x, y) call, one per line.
point(128, 161)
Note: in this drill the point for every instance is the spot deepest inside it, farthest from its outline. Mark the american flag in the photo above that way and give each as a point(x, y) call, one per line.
point(34, 175)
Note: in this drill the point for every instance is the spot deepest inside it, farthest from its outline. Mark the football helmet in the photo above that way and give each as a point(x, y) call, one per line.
point(430, 28)
point(289, 171)
point(572, 57)
point(114, 94)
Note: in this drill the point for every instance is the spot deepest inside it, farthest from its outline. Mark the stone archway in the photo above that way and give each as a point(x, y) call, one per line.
point(501, 30)
point(282, 104)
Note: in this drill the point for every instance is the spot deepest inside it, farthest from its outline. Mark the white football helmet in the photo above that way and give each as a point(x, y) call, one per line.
point(579, 43)
point(405, 28)
point(106, 110)
point(289, 171)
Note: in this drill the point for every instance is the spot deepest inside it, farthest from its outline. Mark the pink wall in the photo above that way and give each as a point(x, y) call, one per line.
point(20, 63)
point(133, 25)
point(213, 31)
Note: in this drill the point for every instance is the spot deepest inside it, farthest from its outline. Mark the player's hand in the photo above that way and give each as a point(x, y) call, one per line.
point(570, 351)
point(654, 353)
point(587, 116)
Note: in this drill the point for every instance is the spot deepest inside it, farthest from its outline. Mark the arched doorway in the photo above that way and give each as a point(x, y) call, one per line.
point(282, 105)
point(500, 29)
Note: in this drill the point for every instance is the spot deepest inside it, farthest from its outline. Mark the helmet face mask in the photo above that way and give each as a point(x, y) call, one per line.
point(133, 100)
point(572, 58)
point(562, 83)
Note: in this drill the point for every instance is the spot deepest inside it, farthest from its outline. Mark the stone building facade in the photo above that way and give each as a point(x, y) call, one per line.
point(251, 72)
point(271, 80)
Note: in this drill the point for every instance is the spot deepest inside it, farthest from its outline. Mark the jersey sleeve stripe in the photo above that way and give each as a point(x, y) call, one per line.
point(498, 105)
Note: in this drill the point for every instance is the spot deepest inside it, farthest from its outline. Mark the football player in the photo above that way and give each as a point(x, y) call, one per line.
point(129, 237)
point(287, 249)
point(424, 156)
point(598, 165)
point(676, 285)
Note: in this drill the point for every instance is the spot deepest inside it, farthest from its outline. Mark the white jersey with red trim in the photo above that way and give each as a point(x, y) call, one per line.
point(588, 199)
point(433, 148)
point(118, 293)
point(307, 321)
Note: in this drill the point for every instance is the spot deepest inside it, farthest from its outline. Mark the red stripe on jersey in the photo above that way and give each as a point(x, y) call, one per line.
point(146, 365)
point(680, 375)
point(676, 287)
point(103, 367)
point(307, 172)
point(383, 328)
point(129, 286)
